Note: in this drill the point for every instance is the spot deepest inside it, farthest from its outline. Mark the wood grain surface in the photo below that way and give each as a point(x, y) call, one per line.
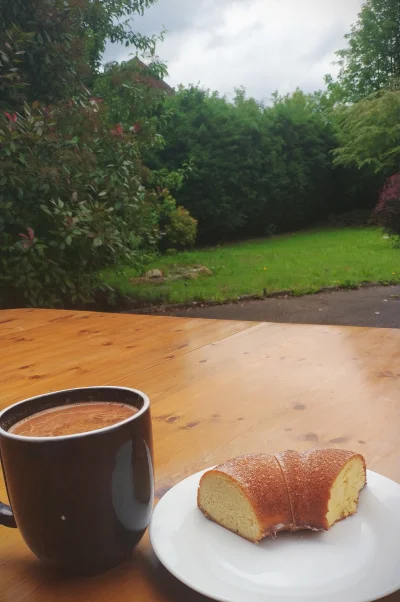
point(217, 389)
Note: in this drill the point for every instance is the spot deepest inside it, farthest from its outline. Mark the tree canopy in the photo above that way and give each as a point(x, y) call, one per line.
point(371, 60)
point(51, 49)
point(369, 133)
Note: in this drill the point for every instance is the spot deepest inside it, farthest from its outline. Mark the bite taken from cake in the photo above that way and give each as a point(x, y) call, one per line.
point(259, 495)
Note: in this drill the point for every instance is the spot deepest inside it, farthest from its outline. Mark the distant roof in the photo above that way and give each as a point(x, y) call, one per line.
point(155, 82)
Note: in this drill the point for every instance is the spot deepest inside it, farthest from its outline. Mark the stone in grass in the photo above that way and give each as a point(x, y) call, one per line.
point(154, 274)
point(204, 271)
point(189, 272)
point(198, 270)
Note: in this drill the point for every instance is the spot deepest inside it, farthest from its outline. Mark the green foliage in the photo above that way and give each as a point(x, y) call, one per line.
point(48, 40)
point(86, 179)
point(369, 133)
point(112, 20)
point(371, 60)
point(72, 202)
point(75, 195)
point(177, 225)
point(133, 91)
point(61, 43)
point(12, 44)
point(135, 94)
point(253, 170)
point(301, 166)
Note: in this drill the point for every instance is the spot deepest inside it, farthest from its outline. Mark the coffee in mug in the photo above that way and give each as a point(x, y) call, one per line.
point(73, 419)
point(78, 467)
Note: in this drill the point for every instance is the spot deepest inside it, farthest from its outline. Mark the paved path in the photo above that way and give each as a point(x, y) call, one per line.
point(372, 306)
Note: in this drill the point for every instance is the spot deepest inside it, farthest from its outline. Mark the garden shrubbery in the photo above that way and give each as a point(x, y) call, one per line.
point(72, 202)
point(257, 169)
point(102, 165)
point(387, 213)
point(75, 194)
point(178, 228)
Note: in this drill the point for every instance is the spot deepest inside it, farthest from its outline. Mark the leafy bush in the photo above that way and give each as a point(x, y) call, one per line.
point(255, 170)
point(42, 46)
point(179, 229)
point(75, 194)
point(72, 202)
point(135, 94)
point(387, 213)
point(182, 229)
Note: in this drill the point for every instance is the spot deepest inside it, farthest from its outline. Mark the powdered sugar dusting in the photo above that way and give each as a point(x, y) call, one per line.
point(290, 490)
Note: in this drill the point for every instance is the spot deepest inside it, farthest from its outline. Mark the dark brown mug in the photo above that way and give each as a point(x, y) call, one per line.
point(82, 502)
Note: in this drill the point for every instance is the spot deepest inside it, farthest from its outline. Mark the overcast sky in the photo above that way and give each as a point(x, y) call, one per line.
point(264, 45)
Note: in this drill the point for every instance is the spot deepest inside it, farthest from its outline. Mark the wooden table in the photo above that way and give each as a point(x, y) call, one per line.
point(218, 389)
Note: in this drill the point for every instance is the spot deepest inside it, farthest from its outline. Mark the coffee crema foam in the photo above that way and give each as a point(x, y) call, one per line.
point(73, 419)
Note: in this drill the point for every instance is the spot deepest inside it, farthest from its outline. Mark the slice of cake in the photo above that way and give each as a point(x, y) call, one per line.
point(261, 494)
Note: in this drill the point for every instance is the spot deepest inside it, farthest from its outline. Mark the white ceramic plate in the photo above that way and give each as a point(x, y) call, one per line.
point(357, 560)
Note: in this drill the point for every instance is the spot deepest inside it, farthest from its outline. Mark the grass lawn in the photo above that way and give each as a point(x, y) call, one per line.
point(303, 262)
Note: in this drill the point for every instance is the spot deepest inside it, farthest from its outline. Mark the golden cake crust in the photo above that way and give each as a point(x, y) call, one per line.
point(260, 478)
point(288, 491)
point(309, 477)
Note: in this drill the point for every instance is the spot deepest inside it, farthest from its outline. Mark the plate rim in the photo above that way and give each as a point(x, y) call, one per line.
point(201, 591)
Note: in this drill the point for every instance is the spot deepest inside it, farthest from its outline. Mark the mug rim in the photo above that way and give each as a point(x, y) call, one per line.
point(7, 434)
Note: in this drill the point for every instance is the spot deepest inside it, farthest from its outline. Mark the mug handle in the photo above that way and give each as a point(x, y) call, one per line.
point(6, 516)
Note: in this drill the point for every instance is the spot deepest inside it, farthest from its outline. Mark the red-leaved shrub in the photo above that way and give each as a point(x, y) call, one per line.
point(387, 212)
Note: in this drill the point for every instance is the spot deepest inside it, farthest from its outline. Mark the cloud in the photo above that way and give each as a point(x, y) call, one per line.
point(264, 45)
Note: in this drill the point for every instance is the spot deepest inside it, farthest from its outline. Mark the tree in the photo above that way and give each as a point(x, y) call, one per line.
point(75, 195)
point(113, 20)
point(133, 91)
point(56, 46)
point(302, 161)
point(41, 51)
point(372, 59)
point(369, 133)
